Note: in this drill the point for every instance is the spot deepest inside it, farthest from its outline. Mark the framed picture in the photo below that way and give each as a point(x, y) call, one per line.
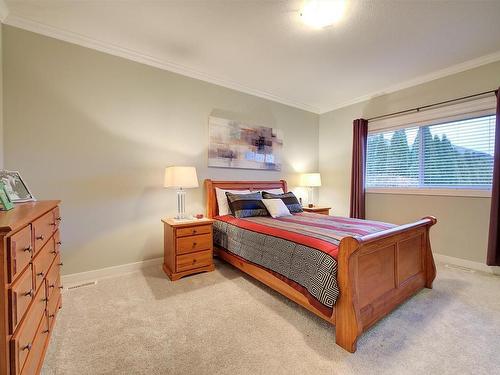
point(235, 144)
point(15, 187)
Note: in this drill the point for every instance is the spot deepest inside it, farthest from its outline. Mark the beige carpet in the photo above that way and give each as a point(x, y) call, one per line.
point(226, 323)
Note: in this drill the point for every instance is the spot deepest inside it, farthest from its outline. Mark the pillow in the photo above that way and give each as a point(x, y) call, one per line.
point(276, 208)
point(289, 199)
point(246, 205)
point(272, 191)
point(222, 199)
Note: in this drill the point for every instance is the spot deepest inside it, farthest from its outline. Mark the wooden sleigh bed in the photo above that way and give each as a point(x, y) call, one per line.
point(376, 272)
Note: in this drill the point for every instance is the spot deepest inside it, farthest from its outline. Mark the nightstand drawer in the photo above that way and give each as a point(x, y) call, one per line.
point(191, 231)
point(192, 244)
point(193, 260)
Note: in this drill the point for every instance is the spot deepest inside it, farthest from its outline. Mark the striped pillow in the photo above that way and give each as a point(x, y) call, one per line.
point(289, 199)
point(246, 205)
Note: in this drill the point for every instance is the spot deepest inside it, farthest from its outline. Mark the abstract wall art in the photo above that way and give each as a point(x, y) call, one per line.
point(235, 144)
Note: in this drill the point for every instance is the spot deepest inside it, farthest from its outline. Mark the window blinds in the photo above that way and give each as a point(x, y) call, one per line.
point(456, 154)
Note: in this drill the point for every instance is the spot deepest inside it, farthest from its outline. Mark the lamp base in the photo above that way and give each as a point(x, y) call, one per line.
point(181, 205)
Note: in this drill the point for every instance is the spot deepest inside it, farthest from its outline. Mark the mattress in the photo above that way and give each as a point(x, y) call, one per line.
point(300, 249)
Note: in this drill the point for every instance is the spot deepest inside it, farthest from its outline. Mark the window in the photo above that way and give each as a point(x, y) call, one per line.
point(449, 155)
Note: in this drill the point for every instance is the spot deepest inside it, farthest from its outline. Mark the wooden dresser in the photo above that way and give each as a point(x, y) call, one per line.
point(31, 292)
point(188, 247)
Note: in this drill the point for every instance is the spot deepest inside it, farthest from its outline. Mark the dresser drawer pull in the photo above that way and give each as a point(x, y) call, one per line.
point(61, 287)
point(27, 347)
point(194, 244)
point(29, 249)
point(195, 231)
point(30, 293)
point(59, 243)
point(52, 286)
point(51, 315)
point(45, 299)
point(194, 261)
point(40, 273)
point(60, 264)
point(58, 218)
point(40, 237)
point(46, 331)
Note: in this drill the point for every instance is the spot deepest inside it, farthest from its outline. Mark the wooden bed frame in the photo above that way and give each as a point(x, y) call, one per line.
point(376, 272)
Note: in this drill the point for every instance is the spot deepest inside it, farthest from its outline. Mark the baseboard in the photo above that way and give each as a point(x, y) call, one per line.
point(467, 264)
point(104, 273)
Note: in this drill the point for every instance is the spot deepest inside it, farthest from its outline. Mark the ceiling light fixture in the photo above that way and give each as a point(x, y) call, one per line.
point(322, 13)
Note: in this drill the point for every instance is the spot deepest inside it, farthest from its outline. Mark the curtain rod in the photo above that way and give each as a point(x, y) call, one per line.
point(418, 109)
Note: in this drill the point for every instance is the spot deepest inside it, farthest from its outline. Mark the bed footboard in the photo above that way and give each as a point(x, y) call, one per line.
point(378, 272)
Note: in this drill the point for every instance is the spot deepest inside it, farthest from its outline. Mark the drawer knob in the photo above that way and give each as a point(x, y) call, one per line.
point(29, 294)
point(40, 237)
point(60, 264)
point(46, 331)
point(58, 218)
point(59, 243)
point(28, 249)
point(45, 299)
point(51, 315)
point(194, 231)
point(194, 244)
point(194, 261)
point(27, 347)
point(61, 287)
point(40, 273)
point(52, 286)
point(53, 252)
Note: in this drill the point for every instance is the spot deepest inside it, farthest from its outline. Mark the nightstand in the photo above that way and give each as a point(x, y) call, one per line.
point(318, 210)
point(188, 247)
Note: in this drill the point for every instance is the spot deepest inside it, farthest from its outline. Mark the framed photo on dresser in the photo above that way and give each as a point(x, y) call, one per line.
point(15, 187)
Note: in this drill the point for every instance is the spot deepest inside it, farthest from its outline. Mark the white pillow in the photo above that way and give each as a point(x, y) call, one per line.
point(276, 207)
point(222, 199)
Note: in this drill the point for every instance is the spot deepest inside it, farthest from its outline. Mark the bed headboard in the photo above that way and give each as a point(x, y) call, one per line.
point(210, 185)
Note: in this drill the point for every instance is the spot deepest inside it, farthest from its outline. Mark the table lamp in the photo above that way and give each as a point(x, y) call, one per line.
point(310, 180)
point(180, 178)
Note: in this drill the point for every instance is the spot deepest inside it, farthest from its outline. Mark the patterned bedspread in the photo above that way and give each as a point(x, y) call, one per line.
point(300, 249)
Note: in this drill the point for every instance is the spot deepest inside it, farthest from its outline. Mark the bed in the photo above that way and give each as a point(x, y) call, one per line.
point(365, 273)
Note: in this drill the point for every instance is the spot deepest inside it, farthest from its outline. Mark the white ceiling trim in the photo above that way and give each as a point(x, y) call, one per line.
point(454, 69)
point(84, 41)
point(75, 38)
point(4, 11)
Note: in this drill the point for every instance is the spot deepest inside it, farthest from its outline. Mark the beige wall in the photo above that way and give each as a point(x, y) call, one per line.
point(97, 132)
point(463, 222)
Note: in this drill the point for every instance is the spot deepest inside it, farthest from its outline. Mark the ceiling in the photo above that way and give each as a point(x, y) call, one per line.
point(262, 48)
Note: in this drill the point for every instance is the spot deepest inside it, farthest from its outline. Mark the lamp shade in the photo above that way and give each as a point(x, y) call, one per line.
point(310, 179)
point(180, 177)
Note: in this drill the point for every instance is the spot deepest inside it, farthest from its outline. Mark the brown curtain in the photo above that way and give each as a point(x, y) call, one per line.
point(360, 136)
point(493, 258)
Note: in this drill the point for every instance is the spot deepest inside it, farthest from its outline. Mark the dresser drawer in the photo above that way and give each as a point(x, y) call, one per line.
point(20, 296)
point(53, 307)
point(20, 251)
point(194, 260)
point(191, 231)
point(192, 244)
point(22, 341)
point(36, 353)
point(43, 227)
point(53, 278)
point(42, 262)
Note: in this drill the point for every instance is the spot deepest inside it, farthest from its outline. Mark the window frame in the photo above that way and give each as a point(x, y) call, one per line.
point(449, 113)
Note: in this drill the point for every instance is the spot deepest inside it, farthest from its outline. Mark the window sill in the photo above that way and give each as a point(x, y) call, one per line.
point(448, 192)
